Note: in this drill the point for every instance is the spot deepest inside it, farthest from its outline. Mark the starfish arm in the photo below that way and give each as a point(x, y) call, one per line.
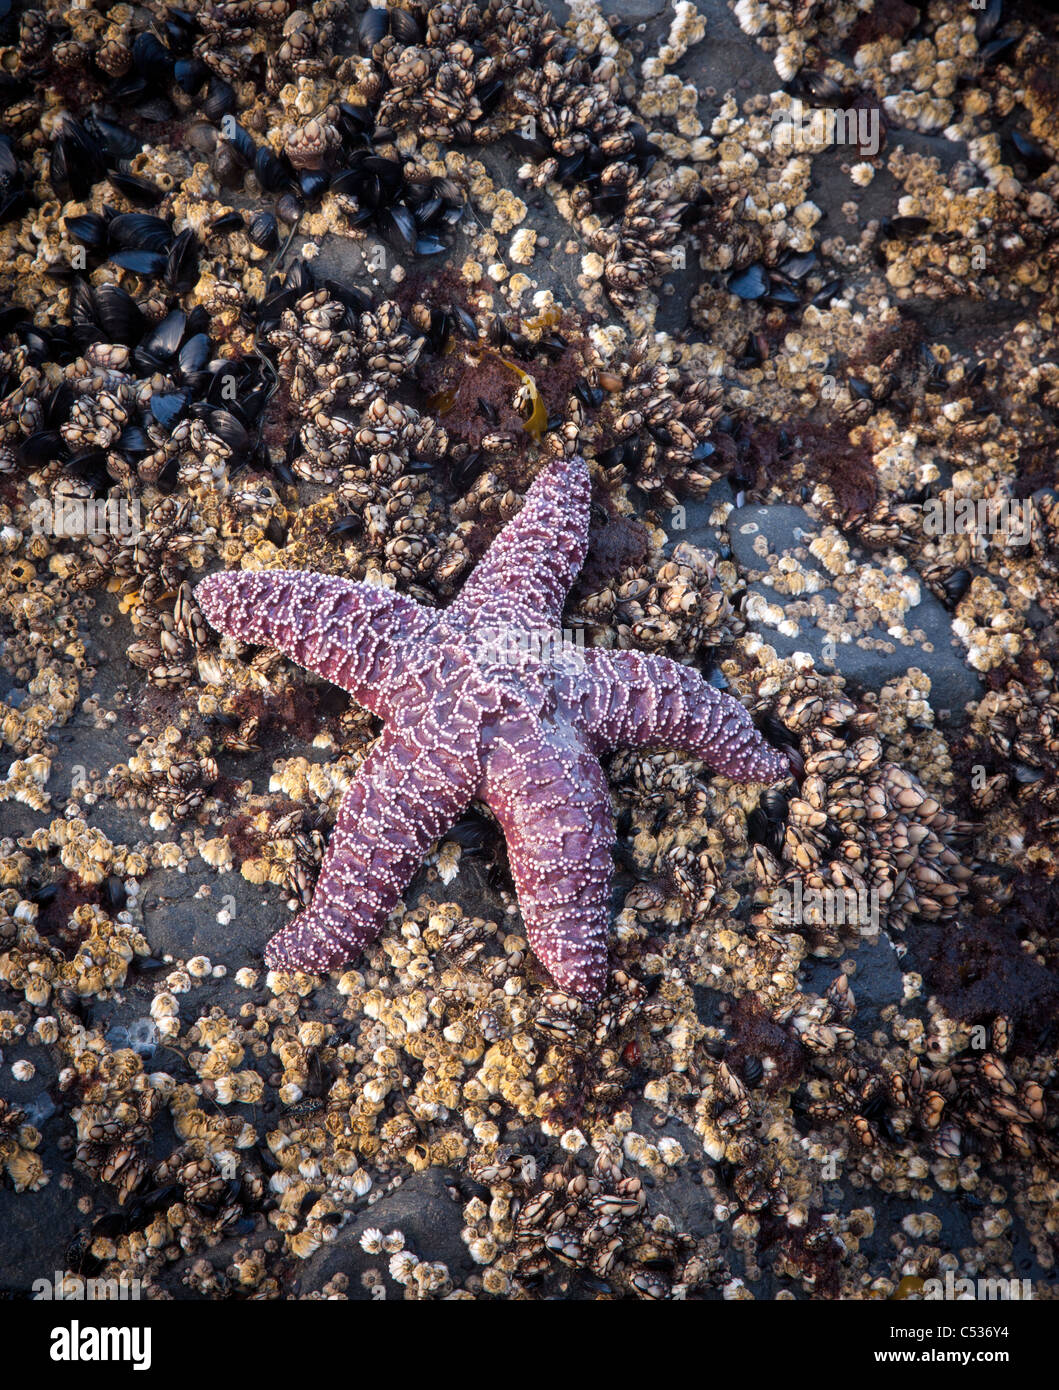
point(353, 635)
point(524, 577)
point(554, 808)
point(632, 700)
point(378, 842)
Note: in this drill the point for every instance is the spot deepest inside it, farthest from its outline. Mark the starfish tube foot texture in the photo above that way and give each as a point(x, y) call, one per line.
point(481, 702)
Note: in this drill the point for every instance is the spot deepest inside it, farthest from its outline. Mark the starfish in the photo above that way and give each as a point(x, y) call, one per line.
point(482, 701)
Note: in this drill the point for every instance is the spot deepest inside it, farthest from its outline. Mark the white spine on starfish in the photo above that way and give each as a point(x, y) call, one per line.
point(640, 701)
point(342, 631)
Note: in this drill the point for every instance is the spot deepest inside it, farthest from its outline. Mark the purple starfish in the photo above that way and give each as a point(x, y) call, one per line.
point(482, 702)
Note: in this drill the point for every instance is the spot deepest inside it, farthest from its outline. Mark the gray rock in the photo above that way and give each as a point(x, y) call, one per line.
point(423, 1209)
point(788, 528)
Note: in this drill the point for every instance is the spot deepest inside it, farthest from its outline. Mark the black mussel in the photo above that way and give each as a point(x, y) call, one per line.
point(37, 450)
point(571, 166)
point(488, 412)
point(165, 338)
point(405, 27)
point(591, 396)
point(374, 26)
point(228, 429)
point(168, 406)
point(353, 298)
point(956, 584)
point(442, 327)
point(553, 345)
point(182, 264)
point(168, 478)
point(751, 283)
point(465, 324)
point(228, 165)
point(355, 123)
point(117, 142)
point(227, 222)
point(83, 314)
point(450, 191)
point(758, 828)
point(198, 320)
point(1036, 159)
point(351, 525)
point(702, 451)
point(147, 263)
point(118, 316)
point(905, 226)
point(194, 355)
point(521, 345)
point(398, 226)
point(270, 172)
point(252, 406)
point(161, 343)
point(45, 894)
point(263, 231)
point(608, 204)
point(425, 210)
point(151, 59)
point(753, 1070)
point(1027, 776)
point(782, 296)
point(139, 231)
point(489, 95)
point(220, 99)
point(91, 466)
point(633, 451)
point(115, 893)
point(755, 351)
point(824, 295)
point(613, 457)
point(313, 183)
point(390, 173)
point(15, 199)
point(140, 191)
point(498, 333)
point(224, 373)
point(76, 160)
point(817, 88)
point(796, 265)
point(463, 472)
point(133, 441)
point(240, 140)
point(190, 74)
point(429, 246)
point(9, 316)
point(179, 31)
point(859, 388)
point(90, 230)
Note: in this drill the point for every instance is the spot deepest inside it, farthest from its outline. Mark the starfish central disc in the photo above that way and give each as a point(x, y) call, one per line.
point(482, 701)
